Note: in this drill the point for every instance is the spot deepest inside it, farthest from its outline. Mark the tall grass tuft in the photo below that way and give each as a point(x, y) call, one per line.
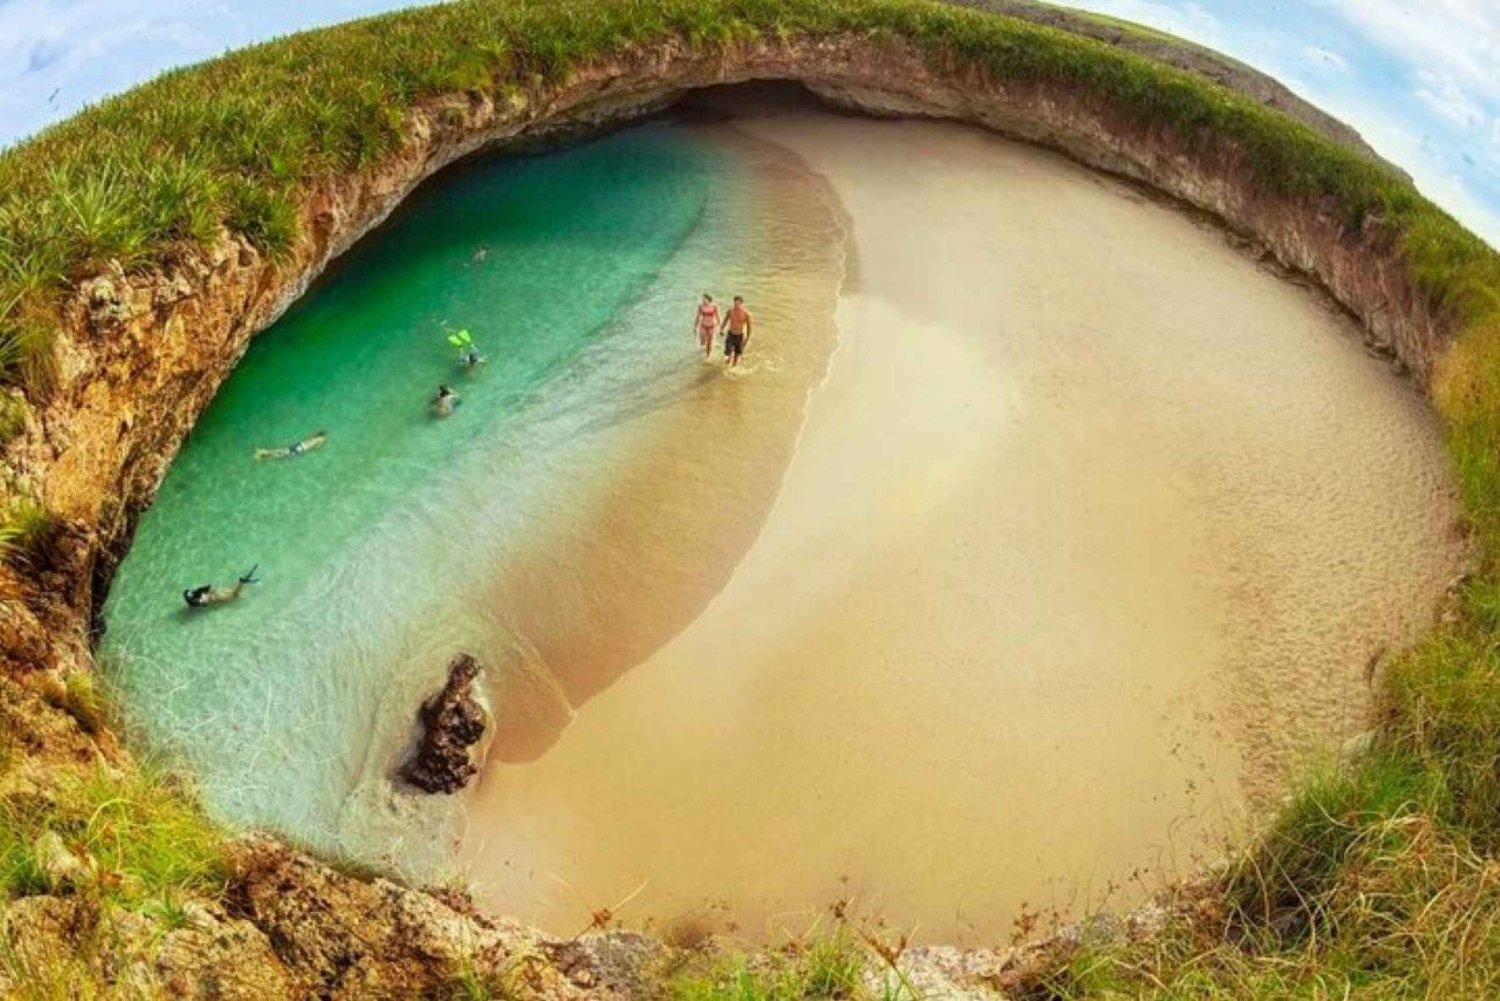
point(27, 531)
point(86, 700)
point(138, 833)
point(823, 965)
point(12, 416)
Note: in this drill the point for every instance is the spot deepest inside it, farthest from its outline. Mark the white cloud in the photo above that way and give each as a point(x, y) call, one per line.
point(1325, 57)
point(1420, 80)
point(58, 55)
point(1443, 94)
point(1462, 37)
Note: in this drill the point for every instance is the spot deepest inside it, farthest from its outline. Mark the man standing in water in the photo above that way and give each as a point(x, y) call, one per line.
point(738, 321)
point(707, 322)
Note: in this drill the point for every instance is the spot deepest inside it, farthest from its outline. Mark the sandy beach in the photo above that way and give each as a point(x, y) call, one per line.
point(1087, 538)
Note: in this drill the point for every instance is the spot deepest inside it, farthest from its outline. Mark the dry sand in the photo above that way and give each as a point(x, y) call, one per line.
point(1088, 536)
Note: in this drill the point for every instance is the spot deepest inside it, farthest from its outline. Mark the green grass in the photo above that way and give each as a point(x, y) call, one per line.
point(1377, 881)
point(27, 531)
point(514, 979)
point(239, 141)
point(141, 837)
point(84, 698)
point(822, 965)
point(12, 416)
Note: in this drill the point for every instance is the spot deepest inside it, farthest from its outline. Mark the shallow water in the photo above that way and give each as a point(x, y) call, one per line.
point(406, 538)
point(1087, 536)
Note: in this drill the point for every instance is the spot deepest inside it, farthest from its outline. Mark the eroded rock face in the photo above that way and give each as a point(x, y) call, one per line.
point(343, 937)
point(453, 721)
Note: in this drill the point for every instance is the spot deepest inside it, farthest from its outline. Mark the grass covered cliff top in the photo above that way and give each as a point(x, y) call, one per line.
point(1379, 879)
point(235, 141)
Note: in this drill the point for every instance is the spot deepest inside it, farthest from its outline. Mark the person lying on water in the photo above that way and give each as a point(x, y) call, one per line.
point(312, 441)
point(445, 402)
point(202, 597)
point(468, 351)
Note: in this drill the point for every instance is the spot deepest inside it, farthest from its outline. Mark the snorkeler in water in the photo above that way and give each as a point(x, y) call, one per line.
point(445, 402)
point(202, 597)
point(312, 441)
point(468, 352)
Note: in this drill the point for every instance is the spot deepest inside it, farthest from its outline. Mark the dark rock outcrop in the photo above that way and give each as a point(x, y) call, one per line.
point(453, 721)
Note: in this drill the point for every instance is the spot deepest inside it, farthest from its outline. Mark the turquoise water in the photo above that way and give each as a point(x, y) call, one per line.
point(577, 274)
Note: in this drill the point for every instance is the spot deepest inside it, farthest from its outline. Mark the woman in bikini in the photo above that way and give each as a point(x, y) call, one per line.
point(707, 323)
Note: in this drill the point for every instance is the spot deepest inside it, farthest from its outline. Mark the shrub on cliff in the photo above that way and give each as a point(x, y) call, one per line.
point(138, 837)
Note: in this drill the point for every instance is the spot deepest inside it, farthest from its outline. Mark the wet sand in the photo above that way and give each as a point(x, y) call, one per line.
point(1088, 537)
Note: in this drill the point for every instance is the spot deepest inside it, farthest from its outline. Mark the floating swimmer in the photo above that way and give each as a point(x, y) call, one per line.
point(312, 441)
point(202, 597)
point(445, 402)
point(468, 353)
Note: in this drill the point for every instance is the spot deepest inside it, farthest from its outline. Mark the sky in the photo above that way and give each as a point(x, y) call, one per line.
point(1419, 78)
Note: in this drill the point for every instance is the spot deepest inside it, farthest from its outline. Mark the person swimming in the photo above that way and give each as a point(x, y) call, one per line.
point(468, 351)
point(707, 323)
point(445, 402)
point(312, 441)
point(206, 595)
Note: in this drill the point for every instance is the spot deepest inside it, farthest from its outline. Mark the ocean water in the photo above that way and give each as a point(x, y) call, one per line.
point(407, 538)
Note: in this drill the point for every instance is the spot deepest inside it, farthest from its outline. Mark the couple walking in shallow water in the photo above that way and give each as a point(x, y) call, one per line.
point(736, 323)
